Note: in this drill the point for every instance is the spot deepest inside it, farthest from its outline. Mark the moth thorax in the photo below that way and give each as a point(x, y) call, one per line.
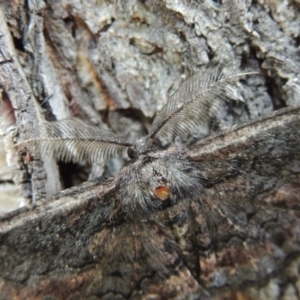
point(141, 145)
point(162, 192)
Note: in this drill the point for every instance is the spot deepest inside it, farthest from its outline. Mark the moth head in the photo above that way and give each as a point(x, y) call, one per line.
point(158, 180)
point(143, 145)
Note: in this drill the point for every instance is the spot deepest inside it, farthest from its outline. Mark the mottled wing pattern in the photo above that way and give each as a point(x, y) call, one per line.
point(246, 223)
point(236, 239)
point(76, 251)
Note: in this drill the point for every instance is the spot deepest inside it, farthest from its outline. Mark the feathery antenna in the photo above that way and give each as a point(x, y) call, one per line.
point(197, 99)
point(73, 140)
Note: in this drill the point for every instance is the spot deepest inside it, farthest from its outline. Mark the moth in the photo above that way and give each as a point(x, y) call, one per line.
point(216, 219)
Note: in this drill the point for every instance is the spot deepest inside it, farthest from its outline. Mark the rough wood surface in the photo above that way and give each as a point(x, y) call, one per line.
point(115, 63)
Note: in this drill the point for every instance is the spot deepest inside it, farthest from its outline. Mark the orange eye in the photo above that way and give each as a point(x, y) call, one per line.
point(162, 192)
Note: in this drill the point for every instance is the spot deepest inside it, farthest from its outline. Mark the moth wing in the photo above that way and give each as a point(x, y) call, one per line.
point(82, 245)
point(241, 237)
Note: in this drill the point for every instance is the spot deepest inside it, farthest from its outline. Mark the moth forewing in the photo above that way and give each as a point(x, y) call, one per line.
point(221, 201)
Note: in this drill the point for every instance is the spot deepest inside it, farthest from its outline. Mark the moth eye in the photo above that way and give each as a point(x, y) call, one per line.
point(157, 142)
point(157, 174)
point(130, 152)
point(162, 192)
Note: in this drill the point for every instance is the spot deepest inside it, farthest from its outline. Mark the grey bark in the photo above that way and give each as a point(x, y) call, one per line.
point(116, 62)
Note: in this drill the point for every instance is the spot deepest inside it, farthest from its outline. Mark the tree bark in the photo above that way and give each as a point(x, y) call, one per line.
point(114, 64)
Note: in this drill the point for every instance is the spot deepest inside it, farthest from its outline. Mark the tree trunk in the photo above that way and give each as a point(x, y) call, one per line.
point(115, 63)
